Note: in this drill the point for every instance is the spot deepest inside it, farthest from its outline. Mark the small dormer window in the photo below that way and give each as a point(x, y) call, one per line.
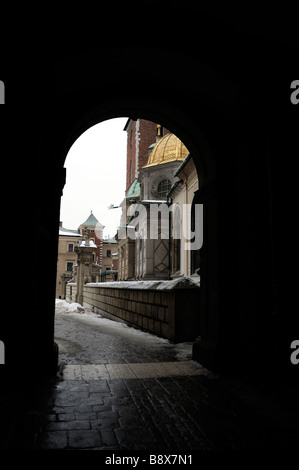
point(163, 188)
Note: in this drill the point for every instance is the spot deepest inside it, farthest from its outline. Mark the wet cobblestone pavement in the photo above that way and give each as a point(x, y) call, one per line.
point(146, 395)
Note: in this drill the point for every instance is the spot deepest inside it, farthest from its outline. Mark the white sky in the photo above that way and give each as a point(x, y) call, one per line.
point(96, 176)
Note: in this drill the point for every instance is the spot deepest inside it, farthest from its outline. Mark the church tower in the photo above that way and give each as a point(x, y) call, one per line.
point(95, 232)
point(141, 134)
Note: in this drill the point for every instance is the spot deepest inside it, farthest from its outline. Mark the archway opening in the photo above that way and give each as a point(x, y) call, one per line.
point(157, 165)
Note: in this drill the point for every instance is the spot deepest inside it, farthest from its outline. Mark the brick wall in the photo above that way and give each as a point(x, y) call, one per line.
point(146, 131)
point(131, 146)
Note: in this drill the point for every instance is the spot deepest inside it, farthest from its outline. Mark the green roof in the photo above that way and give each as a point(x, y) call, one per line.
point(92, 221)
point(152, 146)
point(134, 189)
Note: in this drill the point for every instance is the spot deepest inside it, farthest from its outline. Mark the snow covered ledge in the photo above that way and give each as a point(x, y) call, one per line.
point(166, 308)
point(183, 282)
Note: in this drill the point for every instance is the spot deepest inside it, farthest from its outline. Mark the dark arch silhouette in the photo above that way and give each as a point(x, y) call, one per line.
point(214, 102)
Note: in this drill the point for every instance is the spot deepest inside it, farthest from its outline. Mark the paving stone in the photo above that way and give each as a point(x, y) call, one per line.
point(168, 369)
point(84, 439)
point(86, 416)
point(66, 416)
point(116, 371)
point(51, 417)
point(143, 398)
point(98, 386)
point(143, 371)
point(119, 389)
point(84, 407)
point(94, 372)
point(112, 416)
point(67, 402)
point(108, 437)
point(53, 440)
point(131, 370)
point(121, 439)
point(128, 411)
point(72, 372)
point(68, 425)
point(95, 399)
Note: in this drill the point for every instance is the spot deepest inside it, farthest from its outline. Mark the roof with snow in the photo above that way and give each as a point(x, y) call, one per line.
point(109, 240)
point(85, 244)
point(68, 233)
point(92, 221)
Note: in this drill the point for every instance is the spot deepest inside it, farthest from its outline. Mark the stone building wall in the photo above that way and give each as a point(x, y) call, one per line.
point(155, 306)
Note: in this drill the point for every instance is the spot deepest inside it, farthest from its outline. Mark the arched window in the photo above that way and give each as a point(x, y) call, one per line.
point(163, 188)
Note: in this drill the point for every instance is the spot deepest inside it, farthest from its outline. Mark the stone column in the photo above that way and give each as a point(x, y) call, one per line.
point(85, 253)
point(79, 294)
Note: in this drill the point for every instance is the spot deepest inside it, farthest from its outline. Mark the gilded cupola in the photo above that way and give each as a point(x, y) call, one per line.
point(168, 149)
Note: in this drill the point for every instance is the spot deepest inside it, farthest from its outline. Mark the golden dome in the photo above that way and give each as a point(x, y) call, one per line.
point(168, 149)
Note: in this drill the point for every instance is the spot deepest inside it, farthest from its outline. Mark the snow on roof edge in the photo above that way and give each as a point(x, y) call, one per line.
point(183, 282)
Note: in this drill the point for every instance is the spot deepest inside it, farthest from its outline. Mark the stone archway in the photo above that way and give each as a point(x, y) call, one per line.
point(82, 104)
point(238, 102)
point(166, 117)
point(214, 129)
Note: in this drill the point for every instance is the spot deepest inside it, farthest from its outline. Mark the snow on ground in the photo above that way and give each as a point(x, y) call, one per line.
point(183, 351)
point(64, 307)
point(61, 306)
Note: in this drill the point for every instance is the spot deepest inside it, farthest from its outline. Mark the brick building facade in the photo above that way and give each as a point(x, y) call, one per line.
point(153, 154)
point(140, 135)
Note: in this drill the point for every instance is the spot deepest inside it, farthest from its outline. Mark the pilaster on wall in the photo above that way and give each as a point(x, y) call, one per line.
point(206, 346)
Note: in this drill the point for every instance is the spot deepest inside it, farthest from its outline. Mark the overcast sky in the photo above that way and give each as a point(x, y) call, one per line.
point(96, 176)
